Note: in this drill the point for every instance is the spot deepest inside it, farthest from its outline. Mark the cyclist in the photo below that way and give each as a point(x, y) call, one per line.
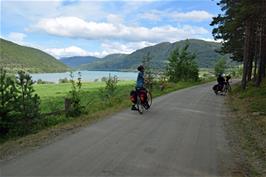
point(221, 82)
point(227, 82)
point(140, 84)
point(227, 78)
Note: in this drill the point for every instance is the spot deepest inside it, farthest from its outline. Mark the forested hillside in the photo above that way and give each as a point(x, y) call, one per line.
point(15, 57)
point(205, 51)
point(77, 61)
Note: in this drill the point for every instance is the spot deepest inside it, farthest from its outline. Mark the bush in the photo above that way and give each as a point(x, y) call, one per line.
point(109, 91)
point(149, 73)
point(74, 98)
point(39, 81)
point(65, 80)
point(220, 66)
point(182, 66)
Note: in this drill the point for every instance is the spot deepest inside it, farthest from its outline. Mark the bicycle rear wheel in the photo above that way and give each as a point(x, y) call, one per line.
point(139, 105)
point(149, 98)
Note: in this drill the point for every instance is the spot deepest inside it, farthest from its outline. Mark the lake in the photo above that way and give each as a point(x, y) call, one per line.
point(85, 75)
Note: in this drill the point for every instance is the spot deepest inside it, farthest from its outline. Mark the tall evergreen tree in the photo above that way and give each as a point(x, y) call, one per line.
point(242, 29)
point(27, 104)
point(7, 95)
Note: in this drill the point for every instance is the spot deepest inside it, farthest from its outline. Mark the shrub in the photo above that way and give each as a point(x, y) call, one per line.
point(74, 99)
point(220, 66)
point(107, 94)
point(182, 66)
point(111, 85)
point(39, 81)
point(65, 80)
point(149, 73)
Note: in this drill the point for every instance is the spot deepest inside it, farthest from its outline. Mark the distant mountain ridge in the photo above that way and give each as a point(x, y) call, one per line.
point(15, 57)
point(77, 61)
point(204, 50)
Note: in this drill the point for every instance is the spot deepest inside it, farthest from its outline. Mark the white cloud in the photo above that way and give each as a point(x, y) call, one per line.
point(153, 16)
point(195, 15)
point(107, 48)
point(116, 47)
point(66, 52)
point(78, 28)
point(211, 40)
point(114, 19)
point(17, 37)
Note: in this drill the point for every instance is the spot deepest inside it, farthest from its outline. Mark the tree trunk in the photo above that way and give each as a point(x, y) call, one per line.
point(250, 61)
point(256, 50)
point(246, 60)
point(262, 48)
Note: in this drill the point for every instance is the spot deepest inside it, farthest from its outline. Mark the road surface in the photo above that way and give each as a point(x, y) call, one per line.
point(182, 135)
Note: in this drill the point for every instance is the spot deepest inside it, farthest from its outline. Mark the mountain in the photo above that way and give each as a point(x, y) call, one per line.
point(15, 57)
point(76, 61)
point(106, 62)
point(204, 50)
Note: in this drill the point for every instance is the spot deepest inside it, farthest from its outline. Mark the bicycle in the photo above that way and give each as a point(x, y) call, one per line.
point(143, 103)
point(227, 88)
point(223, 91)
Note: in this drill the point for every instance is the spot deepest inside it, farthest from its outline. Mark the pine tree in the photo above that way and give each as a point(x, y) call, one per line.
point(7, 92)
point(27, 103)
point(242, 29)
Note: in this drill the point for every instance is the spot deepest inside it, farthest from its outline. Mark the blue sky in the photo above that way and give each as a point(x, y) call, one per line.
point(98, 28)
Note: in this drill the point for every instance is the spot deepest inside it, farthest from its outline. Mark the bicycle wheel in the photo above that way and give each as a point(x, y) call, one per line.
point(149, 98)
point(225, 89)
point(229, 88)
point(139, 105)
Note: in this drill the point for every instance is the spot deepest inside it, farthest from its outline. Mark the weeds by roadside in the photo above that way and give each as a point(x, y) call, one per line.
point(247, 125)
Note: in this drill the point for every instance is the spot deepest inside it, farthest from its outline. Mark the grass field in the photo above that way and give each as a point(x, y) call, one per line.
point(53, 95)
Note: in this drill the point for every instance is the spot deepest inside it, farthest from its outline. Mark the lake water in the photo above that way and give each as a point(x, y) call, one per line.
point(85, 75)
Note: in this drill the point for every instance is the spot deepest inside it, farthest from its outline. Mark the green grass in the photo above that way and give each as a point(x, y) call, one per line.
point(53, 95)
point(249, 126)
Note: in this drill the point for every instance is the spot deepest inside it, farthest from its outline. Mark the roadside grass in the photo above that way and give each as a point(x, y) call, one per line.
point(248, 125)
point(96, 107)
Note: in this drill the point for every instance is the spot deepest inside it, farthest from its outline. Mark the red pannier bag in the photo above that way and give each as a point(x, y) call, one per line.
point(133, 96)
point(143, 96)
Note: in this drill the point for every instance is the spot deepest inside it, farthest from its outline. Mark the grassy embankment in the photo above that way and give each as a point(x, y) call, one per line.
point(52, 99)
point(247, 128)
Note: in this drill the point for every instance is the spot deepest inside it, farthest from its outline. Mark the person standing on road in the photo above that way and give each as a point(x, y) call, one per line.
point(221, 82)
point(140, 84)
point(140, 79)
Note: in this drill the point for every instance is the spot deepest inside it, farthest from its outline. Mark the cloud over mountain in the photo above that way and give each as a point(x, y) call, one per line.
point(78, 28)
